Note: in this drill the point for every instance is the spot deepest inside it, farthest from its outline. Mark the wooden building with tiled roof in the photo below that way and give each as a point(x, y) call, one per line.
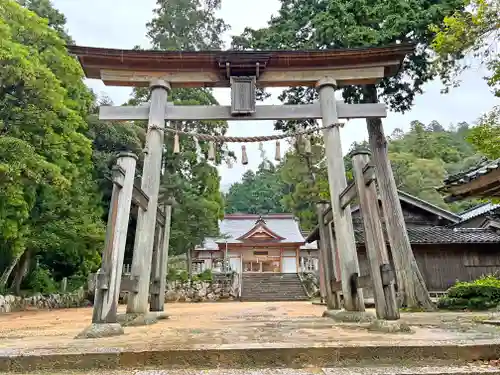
point(447, 246)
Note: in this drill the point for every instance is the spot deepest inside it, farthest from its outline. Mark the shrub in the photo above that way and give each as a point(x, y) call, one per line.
point(40, 281)
point(205, 275)
point(177, 275)
point(480, 294)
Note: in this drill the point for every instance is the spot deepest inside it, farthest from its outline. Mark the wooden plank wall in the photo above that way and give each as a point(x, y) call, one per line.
point(442, 265)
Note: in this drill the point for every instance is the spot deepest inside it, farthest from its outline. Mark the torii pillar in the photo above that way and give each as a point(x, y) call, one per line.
point(146, 219)
point(344, 231)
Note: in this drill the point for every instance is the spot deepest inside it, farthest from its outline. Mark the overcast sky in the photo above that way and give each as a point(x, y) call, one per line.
point(121, 24)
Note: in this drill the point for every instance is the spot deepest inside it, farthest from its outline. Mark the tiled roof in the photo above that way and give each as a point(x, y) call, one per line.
point(236, 225)
point(462, 178)
point(444, 235)
point(478, 210)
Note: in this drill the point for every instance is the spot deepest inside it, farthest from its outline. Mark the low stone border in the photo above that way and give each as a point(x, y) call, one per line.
point(385, 370)
point(275, 357)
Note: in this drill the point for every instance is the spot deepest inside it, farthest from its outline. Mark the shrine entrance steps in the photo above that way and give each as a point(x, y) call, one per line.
point(265, 287)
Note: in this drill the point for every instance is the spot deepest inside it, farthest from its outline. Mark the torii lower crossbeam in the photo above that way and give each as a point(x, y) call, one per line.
point(263, 112)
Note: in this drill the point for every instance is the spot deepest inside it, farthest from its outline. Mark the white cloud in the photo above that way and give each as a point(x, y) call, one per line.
point(113, 24)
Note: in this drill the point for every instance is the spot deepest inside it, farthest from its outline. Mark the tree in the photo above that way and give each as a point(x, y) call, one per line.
point(191, 180)
point(313, 24)
point(56, 20)
point(51, 200)
point(485, 136)
point(306, 181)
point(257, 193)
point(473, 30)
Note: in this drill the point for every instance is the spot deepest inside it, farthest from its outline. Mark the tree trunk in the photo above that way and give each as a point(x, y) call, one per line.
point(6, 274)
point(189, 264)
point(23, 262)
point(412, 291)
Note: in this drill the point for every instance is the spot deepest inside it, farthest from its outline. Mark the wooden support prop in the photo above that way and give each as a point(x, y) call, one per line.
point(333, 262)
point(139, 197)
point(223, 113)
point(325, 253)
point(160, 263)
point(146, 219)
point(408, 276)
point(322, 278)
point(109, 276)
point(344, 231)
point(355, 281)
point(348, 195)
point(378, 258)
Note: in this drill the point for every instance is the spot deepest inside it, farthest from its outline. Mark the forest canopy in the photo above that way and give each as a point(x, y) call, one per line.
point(421, 158)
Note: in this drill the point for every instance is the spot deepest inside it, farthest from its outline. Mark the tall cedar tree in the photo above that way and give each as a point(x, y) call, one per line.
point(189, 25)
point(320, 24)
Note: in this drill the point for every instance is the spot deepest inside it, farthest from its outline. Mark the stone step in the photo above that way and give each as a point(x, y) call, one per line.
point(272, 287)
point(393, 370)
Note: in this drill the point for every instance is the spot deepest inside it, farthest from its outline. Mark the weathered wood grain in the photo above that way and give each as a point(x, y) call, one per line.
point(150, 184)
point(223, 113)
point(106, 295)
point(385, 297)
point(344, 232)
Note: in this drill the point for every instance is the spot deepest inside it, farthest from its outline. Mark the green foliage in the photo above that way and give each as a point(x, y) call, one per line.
point(49, 200)
point(485, 136)
point(306, 182)
point(481, 294)
point(41, 281)
point(187, 25)
point(204, 276)
point(314, 24)
point(177, 275)
point(471, 30)
point(421, 158)
point(257, 193)
point(193, 182)
point(44, 9)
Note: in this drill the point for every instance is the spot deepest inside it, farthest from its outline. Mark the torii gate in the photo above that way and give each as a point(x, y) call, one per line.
point(242, 72)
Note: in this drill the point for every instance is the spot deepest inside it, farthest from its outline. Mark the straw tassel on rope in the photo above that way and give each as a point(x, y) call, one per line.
point(307, 144)
point(244, 157)
point(177, 147)
point(277, 156)
point(211, 150)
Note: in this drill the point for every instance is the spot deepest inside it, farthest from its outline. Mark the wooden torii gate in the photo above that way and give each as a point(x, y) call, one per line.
point(242, 72)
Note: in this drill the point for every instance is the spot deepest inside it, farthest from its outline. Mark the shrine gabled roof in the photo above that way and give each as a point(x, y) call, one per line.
point(234, 227)
point(94, 60)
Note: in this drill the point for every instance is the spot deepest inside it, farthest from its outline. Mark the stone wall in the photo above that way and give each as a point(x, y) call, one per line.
point(197, 291)
point(222, 288)
point(310, 280)
point(10, 303)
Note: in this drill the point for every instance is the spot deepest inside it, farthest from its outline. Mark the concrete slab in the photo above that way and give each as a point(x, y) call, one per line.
point(238, 335)
point(385, 370)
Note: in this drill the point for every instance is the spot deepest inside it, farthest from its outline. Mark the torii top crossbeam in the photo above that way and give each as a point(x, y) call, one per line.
point(119, 67)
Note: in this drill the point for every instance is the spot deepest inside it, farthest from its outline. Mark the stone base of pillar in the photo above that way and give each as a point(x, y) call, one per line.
point(138, 319)
point(389, 326)
point(99, 330)
point(344, 316)
point(160, 315)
